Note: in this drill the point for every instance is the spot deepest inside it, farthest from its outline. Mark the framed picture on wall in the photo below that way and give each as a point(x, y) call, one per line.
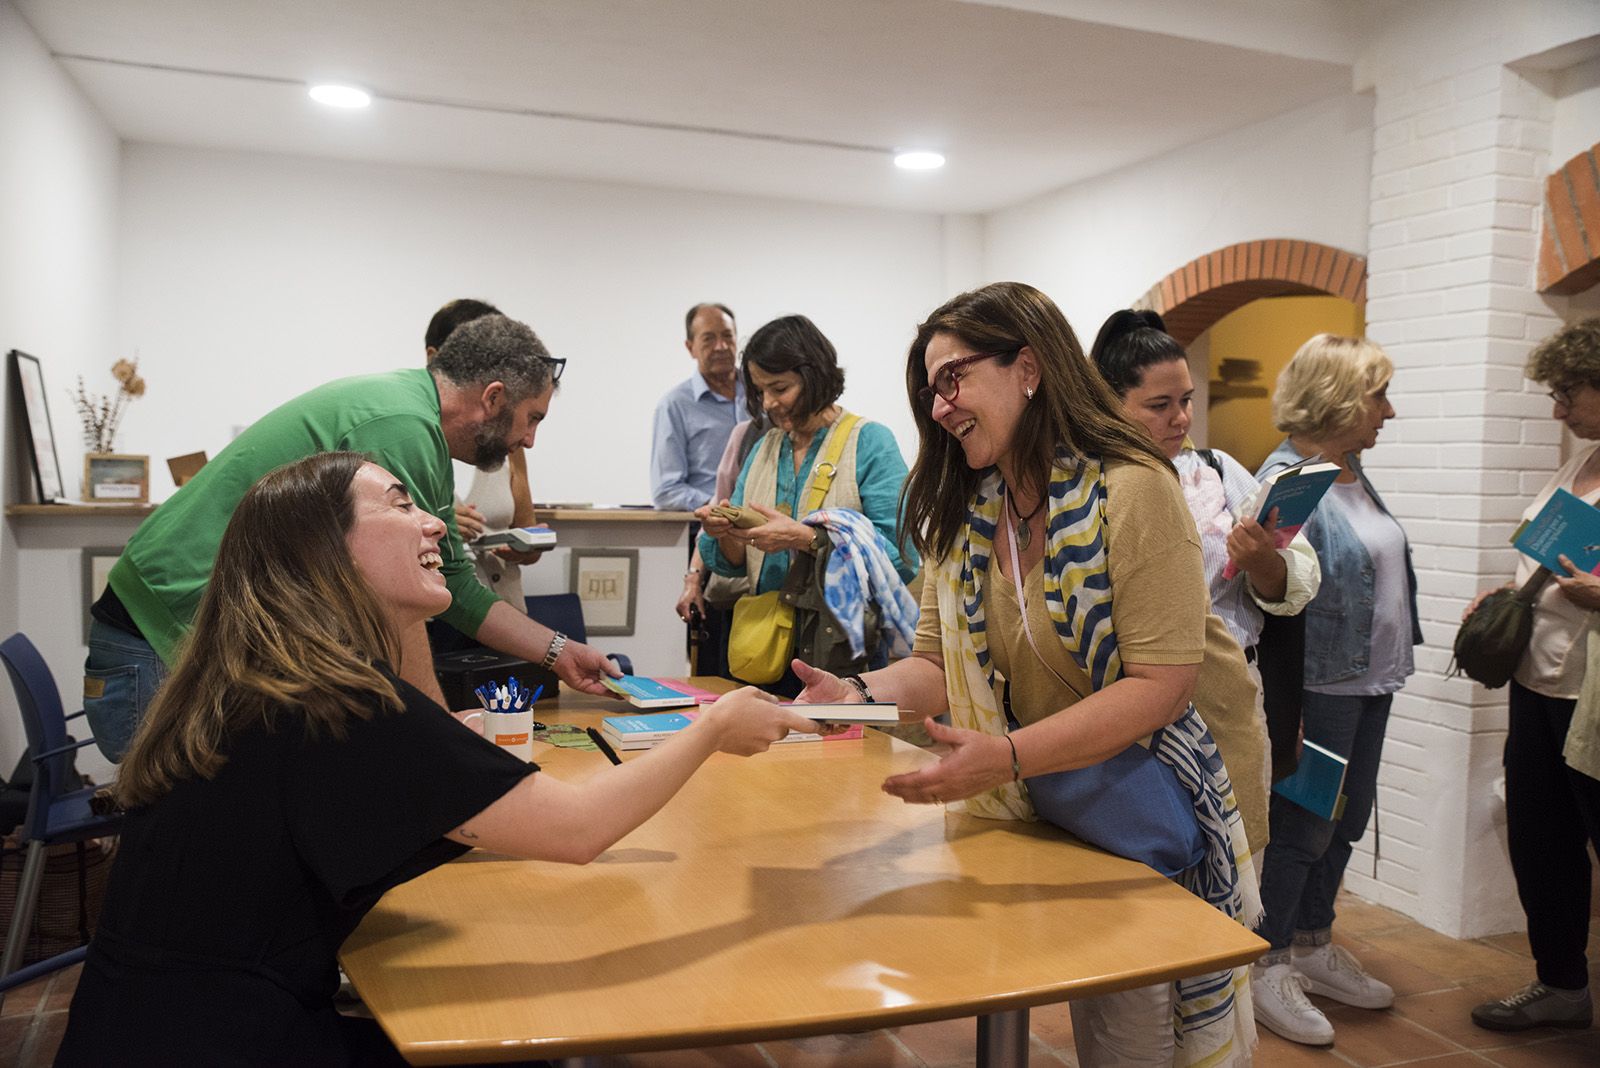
point(607, 582)
point(41, 434)
point(97, 564)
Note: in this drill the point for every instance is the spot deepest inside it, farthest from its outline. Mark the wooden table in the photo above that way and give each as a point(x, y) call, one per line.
point(776, 896)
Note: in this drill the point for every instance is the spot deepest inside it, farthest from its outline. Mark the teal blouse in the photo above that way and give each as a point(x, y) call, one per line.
point(880, 472)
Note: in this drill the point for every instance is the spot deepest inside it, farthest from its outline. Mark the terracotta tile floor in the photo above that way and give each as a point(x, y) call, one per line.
point(1438, 980)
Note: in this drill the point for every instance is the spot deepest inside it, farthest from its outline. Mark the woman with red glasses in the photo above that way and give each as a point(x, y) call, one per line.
point(1063, 622)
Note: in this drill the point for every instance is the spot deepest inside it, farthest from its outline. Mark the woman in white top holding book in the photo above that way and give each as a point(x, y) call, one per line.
point(1553, 808)
point(1149, 371)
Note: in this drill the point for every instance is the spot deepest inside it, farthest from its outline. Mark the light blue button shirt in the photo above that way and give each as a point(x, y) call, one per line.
point(692, 425)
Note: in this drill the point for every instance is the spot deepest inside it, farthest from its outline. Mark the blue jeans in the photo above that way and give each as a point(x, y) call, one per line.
point(120, 678)
point(1306, 855)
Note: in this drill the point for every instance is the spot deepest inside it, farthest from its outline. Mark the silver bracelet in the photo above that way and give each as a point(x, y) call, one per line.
point(558, 643)
point(859, 685)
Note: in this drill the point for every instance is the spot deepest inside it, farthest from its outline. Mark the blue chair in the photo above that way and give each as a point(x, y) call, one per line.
point(564, 612)
point(55, 813)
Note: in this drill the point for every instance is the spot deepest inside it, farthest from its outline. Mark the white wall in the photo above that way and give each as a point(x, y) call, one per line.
point(58, 201)
point(1098, 245)
point(1577, 119)
point(248, 279)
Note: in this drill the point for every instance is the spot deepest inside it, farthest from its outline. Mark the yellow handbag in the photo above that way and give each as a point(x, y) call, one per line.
point(762, 635)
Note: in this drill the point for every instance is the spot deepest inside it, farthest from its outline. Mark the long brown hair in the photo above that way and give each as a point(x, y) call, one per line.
point(286, 622)
point(1074, 408)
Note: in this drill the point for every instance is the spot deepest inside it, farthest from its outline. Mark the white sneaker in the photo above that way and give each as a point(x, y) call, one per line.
point(1331, 971)
point(1281, 1005)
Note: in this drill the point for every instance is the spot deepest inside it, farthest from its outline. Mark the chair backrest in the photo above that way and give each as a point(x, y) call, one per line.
point(559, 611)
point(42, 718)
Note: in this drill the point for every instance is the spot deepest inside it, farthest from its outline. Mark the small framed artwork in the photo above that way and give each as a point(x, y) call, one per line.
point(97, 565)
point(41, 435)
point(607, 582)
point(113, 476)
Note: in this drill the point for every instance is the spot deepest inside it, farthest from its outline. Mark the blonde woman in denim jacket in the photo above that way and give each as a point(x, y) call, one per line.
point(1332, 400)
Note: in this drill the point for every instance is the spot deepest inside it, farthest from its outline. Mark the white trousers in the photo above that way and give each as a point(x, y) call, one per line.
point(1126, 1029)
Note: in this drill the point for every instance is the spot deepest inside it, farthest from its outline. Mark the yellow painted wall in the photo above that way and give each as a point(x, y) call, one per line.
point(1267, 332)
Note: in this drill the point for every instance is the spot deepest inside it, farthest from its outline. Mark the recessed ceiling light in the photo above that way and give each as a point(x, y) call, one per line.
point(341, 96)
point(918, 160)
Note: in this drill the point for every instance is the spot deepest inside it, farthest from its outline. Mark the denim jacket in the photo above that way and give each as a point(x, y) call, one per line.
point(1339, 617)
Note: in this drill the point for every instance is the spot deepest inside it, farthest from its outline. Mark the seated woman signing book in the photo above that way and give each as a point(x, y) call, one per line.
point(285, 778)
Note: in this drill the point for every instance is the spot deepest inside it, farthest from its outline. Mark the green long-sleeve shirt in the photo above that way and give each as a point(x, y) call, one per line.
point(392, 418)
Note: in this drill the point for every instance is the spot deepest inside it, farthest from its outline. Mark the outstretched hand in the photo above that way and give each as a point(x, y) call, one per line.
point(583, 666)
point(822, 687)
point(974, 763)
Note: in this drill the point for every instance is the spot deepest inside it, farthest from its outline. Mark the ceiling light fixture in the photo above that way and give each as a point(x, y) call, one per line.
point(341, 96)
point(918, 160)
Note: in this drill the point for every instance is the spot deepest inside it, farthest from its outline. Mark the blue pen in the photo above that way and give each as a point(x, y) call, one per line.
point(534, 699)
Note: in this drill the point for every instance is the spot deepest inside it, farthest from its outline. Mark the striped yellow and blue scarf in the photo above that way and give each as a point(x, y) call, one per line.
point(1212, 1017)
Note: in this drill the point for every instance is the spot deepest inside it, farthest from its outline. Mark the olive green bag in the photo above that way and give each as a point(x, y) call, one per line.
point(1493, 638)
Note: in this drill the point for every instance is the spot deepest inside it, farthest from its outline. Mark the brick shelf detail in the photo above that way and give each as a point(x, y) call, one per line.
point(1569, 248)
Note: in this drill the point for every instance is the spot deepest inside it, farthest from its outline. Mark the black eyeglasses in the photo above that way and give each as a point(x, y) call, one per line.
point(1562, 397)
point(557, 365)
point(947, 381)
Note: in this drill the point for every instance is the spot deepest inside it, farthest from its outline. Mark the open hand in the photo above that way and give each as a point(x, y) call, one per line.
point(974, 763)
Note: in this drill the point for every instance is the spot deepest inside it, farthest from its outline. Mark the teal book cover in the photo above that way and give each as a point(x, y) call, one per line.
point(1566, 525)
point(1317, 785)
point(647, 693)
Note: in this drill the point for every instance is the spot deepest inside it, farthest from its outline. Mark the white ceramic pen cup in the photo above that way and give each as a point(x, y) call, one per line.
point(511, 731)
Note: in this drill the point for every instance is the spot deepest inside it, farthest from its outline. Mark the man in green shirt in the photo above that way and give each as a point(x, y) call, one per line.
point(484, 394)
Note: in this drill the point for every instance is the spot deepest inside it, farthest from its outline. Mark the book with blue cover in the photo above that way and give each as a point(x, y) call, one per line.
point(1317, 785)
point(642, 692)
point(1566, 525)
point(642, 732)
point(1295, 493)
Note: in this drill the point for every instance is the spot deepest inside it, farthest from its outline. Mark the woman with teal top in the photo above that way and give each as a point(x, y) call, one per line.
point(792, 376)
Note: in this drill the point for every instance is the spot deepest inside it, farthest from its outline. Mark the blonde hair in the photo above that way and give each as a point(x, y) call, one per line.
point(286, 628)
point(1321, 391)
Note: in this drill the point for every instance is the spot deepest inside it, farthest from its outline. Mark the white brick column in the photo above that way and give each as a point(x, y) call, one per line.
point(1458, 163)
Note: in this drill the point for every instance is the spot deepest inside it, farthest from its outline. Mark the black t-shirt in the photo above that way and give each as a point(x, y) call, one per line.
point(230, 897)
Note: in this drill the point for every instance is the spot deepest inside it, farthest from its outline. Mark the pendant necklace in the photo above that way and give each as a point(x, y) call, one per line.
point(1019, 522)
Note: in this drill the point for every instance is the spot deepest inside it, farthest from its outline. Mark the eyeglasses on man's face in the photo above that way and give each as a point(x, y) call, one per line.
point(947, 380)
point(557, 364)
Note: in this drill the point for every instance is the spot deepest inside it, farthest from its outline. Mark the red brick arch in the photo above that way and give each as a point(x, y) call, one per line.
point(1569, 253)
point(1196, 295)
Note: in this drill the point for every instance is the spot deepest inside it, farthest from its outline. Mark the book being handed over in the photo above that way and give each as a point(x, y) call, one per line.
point(1295, 493)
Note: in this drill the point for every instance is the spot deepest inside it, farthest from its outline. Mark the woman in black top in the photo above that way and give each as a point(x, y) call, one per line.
point(286, 778)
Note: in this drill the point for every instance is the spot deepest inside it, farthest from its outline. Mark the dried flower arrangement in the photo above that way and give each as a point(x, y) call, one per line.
point(101, 413)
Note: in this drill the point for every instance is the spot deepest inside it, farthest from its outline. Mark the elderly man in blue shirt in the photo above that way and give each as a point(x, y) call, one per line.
point(696, 416)
point(692, 425)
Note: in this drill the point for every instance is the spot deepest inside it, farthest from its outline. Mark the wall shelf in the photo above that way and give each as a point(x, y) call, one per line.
point(78, 511)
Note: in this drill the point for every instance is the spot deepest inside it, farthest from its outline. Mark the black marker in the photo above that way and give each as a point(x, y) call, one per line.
point(604, 746)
